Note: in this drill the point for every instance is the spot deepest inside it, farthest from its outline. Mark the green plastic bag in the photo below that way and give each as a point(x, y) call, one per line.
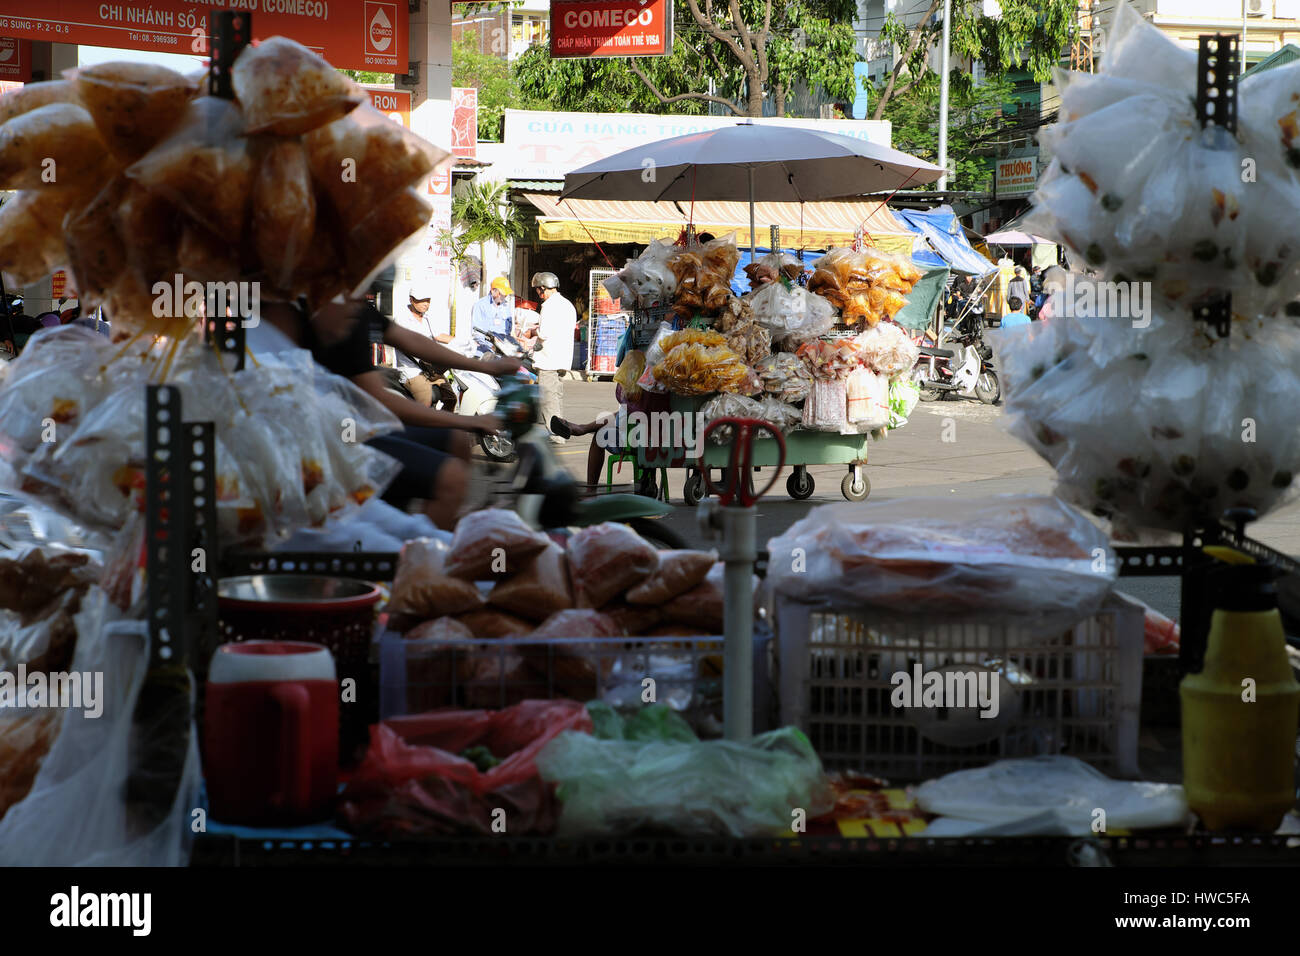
point(903, 396)
point(714, 788)
point(653, 722)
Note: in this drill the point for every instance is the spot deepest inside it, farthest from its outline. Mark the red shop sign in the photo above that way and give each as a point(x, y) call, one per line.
point(611, 28)
point(352, 34)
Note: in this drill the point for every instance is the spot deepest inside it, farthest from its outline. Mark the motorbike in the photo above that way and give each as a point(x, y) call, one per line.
point(476, 393)
point(964, 369)
point(546, 496)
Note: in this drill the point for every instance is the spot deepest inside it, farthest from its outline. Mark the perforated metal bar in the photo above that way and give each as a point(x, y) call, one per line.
point(1216, 313)
point(228, 334)
point(229, 31)
point(365, 565)
point(1218, 66)
point(166, 526)
point(201, 558)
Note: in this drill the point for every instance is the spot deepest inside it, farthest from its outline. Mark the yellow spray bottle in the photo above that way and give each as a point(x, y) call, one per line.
point(1240, 712)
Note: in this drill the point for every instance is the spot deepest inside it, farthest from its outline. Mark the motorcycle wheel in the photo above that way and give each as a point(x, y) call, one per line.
point(987, 387)
point(657, 533)
point(693, 489)
point(929, 394)
point(497, 447)
point(647, 487)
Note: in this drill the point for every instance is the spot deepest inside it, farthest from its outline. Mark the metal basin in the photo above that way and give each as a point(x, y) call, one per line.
point(295, 591)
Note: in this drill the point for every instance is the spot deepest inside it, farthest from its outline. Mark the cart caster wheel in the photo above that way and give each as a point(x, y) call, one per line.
point(647, 487)
point(855, 492)
point(800, 484)
point(693, 490)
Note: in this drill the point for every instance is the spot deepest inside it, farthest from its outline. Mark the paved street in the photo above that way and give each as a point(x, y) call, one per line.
point(915, 461)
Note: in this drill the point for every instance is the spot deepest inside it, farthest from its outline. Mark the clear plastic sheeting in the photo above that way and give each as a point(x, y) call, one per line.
point(1022, 558)
point(1046, 796)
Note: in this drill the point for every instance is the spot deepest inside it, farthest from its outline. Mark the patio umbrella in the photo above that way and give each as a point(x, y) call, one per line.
point(1010, 237)
point(780, 164)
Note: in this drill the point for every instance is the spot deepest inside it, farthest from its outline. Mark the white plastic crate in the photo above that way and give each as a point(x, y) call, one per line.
point(1078, 693)
point(421, 675)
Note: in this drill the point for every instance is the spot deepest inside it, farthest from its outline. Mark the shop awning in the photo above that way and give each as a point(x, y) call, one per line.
point(824, 224)
point(945, 234)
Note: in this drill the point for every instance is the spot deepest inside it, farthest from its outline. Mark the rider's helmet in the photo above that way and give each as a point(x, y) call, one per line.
point(544, 280)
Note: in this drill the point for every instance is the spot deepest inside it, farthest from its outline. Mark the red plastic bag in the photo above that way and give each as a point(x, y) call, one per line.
point(412, 780)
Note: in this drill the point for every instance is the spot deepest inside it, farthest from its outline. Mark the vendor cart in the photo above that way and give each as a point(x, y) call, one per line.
point(803, 447)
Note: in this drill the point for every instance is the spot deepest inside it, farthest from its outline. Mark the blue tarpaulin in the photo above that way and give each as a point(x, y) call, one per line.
point(940, 227)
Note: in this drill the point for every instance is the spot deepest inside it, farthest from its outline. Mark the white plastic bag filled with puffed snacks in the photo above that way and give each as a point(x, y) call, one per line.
point(1030, 559)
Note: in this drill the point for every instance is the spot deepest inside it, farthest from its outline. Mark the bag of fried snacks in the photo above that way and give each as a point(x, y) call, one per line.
point(52, 146)
point(365, 158)
point(33, 96)
point(204, 166)
point(606, 560)
point(492, 543)
point(695, 369)
point(134, 105)
point(422, 588)
point(284, 210)
point(287, 90)
point(397, 223)
point(31, 235)
point(539, 589)
point(678, 572)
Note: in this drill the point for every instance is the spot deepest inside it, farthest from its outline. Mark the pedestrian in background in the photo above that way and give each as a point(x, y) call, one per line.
point(554, 353)
point(495, 312)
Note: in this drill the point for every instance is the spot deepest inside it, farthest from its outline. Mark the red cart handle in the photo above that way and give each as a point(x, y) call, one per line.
point(739, 469)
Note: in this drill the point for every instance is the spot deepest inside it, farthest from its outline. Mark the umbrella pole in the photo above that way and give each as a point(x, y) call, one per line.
point(751, 214)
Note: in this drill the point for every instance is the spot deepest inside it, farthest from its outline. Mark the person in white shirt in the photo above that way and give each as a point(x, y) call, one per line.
point(554, 353)
point(415, 318)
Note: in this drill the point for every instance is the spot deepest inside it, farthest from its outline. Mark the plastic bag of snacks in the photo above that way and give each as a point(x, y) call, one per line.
point(775, 265)
point(695, 369)
point(867, 398)
point(606, 560)
point(785, 376)
point(60, 138)
point(422, 589)
point(653, 356)
point(629, 373)
point(204, 166)
point(648, 278)
point(730, 406)
point(750, 341)
point(827, 360)
point(791, 312)
point(1139, 192)
point(826, 406)
point(490, 543)
point(287, 90)
point(134, 105)
point(33, 96)
point(1027, 557)
point(886, 349)
point(30, 242)
point(1161, 437)
point(284, 211)
point(540, 589)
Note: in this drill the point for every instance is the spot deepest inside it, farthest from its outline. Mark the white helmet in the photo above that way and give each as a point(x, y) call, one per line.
point(544, 280)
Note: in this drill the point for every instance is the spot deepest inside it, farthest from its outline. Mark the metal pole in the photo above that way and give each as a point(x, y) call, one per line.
point(943, 100)
point(1244, 20)
point(752, 244)
point(739, 553)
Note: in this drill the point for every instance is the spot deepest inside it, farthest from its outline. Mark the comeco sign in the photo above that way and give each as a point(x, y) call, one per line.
point(611, 28)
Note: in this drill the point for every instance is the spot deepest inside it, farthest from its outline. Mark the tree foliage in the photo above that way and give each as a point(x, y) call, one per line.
point(975, 113)
point(492, 77)
point(1028, 33)
point(757, 53)
point(484, 214)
